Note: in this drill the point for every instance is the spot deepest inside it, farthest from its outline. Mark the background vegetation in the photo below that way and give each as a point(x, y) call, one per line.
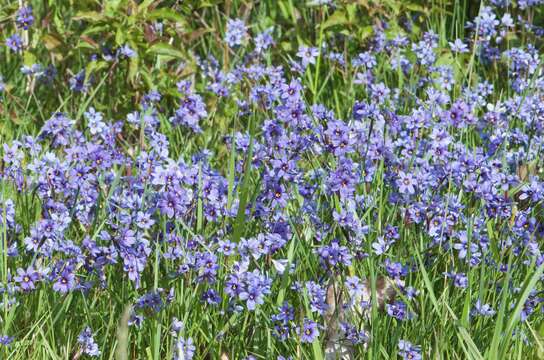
point(120, 50)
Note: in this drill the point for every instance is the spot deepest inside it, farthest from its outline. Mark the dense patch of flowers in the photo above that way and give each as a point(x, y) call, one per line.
point(457, 172)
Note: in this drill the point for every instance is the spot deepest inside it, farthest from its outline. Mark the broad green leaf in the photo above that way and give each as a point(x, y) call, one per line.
point(351, 10)
point(337, 18)
point(146, 77)
point(51, 42)
point(29, 58)
point(416, 7)
point(165, 49)
point(133, 66)
point(364, 32)
point(168, 14)
point(95, 66)
point(112, 6)
point(121, 36)
point(89, 16)
point(103, 30)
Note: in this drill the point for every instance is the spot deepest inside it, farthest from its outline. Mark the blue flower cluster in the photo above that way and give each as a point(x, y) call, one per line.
point(455, 176)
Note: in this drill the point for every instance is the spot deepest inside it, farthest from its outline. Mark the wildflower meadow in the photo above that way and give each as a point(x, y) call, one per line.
point(271, 179)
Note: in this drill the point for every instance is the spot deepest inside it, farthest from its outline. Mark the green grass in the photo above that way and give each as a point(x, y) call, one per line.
point(46, 325)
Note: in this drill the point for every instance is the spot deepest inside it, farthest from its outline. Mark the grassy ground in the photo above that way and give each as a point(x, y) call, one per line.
point(428, 174)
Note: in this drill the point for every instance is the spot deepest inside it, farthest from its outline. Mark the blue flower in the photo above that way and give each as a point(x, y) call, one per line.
point(482, 309)
point(236, 32)
point(307, 55)
point(24, 17)
point(185, 349)
point(309, 331)
point(87, 343)
point(458, 46)
point(15, 43)
point(408, 351)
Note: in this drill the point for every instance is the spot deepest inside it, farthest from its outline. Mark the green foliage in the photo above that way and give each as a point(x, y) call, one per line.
point(168, 38)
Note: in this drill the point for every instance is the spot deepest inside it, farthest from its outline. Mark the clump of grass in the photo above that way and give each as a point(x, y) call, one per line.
point(265, 179)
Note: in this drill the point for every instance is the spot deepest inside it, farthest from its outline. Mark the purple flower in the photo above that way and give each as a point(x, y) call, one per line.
point(282, 331)
point(169, 205)
point(190, 112)
point(126, 52)
point(144, 220)
point(211, 297)
point(15, 43)
point(395, 269)
point(65, 282)
point(482, 309)
point(79, 83)
point(346, 219)
point(309, 331)
point(285, 313)
point(366, 59)
point(24, 17)
point(278, 194)
point(185, 349)
point(399, 310)
point(87, 343)
point(463, 246)
point(408, 351)
point(460, 280)
point(307, 55)
point(5, 340)
point(256, 287)
point(449, 160)
point(380, 246)
point(150, 301)
point(236, 32)
point(355, 286)
point(94, 121)
point(507, 20)
point(292, 91)
point(334, 255)
point(486, 22)
point(227, 247)
point(534, 191)
point(317, 296)
point(253, 297)
point(264, 40)
point(406, 183)
point(410, 292)
point(234, 286)
point(26, 278)
point(458, 46)
point(177, 326)
point(207, 263)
